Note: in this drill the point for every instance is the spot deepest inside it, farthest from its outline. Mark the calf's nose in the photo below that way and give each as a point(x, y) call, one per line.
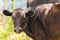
point(18, 30)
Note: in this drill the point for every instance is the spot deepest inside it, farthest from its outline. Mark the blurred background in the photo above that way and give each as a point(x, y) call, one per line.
point(6, 23)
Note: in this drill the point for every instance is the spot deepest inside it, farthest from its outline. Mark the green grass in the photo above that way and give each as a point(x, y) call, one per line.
point(7, 33)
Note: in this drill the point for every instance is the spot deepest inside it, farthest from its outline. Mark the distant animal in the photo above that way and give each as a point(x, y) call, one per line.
point(41, 24)
point(34, 3)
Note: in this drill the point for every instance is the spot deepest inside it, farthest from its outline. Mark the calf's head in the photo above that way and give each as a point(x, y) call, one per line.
point(19, 17)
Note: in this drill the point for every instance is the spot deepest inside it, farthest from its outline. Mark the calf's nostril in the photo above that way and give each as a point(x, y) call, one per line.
point(14, 30)
point(20, 30)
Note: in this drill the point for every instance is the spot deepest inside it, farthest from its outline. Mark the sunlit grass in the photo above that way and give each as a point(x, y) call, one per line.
point(7, 31)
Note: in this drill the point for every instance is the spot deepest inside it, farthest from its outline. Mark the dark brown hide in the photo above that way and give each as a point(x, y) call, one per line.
point(46, 26)
point(53, 22)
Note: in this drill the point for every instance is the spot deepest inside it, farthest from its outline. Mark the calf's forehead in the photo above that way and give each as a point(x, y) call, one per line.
point(18, 13)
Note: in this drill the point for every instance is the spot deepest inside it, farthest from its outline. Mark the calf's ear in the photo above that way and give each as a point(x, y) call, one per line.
point(30, 13)
point(7, 13)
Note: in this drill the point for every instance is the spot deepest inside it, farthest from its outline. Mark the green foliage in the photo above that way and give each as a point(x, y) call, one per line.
point(12, 5)
point(7, 33)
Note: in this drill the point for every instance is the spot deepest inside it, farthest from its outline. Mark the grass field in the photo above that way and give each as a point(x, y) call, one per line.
point(7, 33)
